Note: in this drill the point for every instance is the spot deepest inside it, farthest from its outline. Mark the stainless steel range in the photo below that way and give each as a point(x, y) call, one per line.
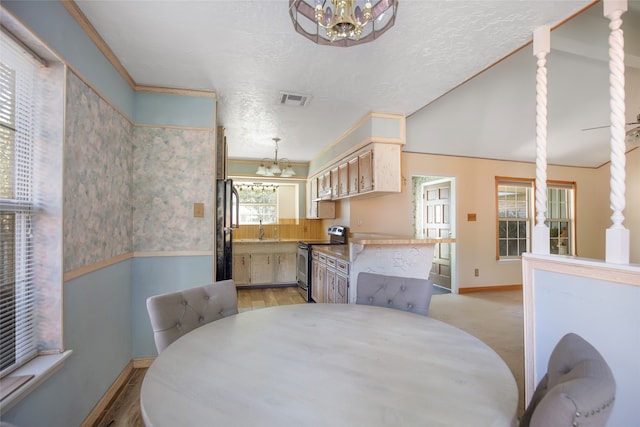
point(337, 236)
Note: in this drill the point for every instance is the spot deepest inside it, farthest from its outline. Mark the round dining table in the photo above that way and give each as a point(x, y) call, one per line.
point(328, 365)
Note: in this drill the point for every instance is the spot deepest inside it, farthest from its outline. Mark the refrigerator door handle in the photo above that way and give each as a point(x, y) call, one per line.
point(237, 196)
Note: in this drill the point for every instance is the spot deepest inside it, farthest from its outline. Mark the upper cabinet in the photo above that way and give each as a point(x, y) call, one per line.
point(373, 170)
point(364, 162)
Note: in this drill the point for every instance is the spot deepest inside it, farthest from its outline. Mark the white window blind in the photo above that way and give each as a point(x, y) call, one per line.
point(18, 123)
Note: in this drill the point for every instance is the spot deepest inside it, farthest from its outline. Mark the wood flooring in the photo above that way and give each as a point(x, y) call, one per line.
point(494, 317)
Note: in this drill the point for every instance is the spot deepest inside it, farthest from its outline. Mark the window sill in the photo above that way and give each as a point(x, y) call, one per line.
point(41, 367)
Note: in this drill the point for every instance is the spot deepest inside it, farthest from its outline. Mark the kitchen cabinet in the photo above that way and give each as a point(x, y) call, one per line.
point(341, 286)
point(354, 186)
point(241, 269)
point(318, 282)
point(373, 170)
point(284, 268)
point(330, 283)
point(261, 268)
point(343, 179)
point(365, 168)
point(264, 263)
point(334, 183)
point(316, 208)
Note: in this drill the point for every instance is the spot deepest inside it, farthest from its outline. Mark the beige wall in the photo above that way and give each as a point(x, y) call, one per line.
point(475, 186)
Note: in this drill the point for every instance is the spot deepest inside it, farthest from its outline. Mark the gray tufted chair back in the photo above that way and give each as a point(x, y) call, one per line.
point(578, 389)
point(402, 293)
point(176, 313)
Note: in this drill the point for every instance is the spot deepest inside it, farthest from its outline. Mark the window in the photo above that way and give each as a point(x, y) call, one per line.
point(514, 216)
point(258, 203)
point(18, 123)
point(560, 217)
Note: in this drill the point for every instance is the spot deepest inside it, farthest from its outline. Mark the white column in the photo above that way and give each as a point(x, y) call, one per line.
point(541, 47)
point(617, 247)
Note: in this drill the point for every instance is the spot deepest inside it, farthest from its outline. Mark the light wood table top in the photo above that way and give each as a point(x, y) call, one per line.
point(328, 365)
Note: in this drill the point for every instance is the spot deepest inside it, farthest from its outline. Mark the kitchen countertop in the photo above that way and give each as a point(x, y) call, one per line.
point(338, 251)
point(265, 240)
point(384, 239)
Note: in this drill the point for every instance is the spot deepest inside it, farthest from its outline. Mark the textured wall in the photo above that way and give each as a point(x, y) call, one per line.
point(97, 181)
point(173, 168)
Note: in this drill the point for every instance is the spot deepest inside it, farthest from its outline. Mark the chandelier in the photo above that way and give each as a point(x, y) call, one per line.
point(275, 168)
point(342, 22)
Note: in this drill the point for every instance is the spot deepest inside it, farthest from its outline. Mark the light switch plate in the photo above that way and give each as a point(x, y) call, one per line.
point(198, 210)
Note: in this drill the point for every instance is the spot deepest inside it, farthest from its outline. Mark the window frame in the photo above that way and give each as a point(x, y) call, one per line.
point(551, 184)
point(19, 121)
point(571, 219)
point(256, 206)
point(516, 182)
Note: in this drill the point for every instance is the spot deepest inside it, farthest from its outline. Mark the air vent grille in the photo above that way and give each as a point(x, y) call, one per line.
point(294, 99)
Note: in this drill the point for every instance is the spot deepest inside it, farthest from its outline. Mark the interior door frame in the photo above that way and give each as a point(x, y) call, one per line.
point(419, 219)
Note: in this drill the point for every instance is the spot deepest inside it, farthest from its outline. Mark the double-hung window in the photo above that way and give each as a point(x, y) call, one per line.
point(514, 198)
point(516, 217)
point(18, 122)
point(560, 214)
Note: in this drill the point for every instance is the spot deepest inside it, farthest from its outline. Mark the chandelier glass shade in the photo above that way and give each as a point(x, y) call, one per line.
point(342, 22)
point(273, 166)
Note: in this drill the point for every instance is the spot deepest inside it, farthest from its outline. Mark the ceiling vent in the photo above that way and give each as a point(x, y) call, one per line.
point(294, 99)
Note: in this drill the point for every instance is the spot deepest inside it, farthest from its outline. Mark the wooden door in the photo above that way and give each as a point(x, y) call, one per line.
point(437, 223)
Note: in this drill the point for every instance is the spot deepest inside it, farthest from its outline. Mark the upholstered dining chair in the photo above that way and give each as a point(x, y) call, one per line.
point(402, 293)
point(176, 313)
point(577, 390)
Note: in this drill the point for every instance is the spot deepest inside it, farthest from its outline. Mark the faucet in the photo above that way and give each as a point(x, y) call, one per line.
point(260, 231)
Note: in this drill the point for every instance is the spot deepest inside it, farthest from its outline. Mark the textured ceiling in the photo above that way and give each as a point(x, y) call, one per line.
point(248, 52)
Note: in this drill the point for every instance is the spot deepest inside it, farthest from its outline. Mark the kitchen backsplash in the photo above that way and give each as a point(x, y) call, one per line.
point(307, 229)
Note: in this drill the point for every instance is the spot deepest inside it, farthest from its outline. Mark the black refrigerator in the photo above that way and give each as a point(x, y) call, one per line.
point(227, 220)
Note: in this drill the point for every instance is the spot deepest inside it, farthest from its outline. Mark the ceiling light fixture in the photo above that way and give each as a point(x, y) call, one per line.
point(275, 168)
point(342, 22)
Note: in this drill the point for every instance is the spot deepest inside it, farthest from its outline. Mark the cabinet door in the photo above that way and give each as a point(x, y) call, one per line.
point(365, 167)
point(330, 279)
point(353, 176)
point(312, 205)
point(241, 269)
point(261, 268)
point(334, 183)
point(342, 289)
point(318, 286)
point(326, 191)
point(343, 180)
point(285, 268)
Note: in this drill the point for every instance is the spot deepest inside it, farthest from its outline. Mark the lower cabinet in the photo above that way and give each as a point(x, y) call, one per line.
point(261, 269)
point(241, 269)
point(330, 279)
point(284, 267)
point(265, 263)
point(318, 282)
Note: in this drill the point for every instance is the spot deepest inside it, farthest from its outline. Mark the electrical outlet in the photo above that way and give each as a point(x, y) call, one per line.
point(198, 210)
point(476, 272)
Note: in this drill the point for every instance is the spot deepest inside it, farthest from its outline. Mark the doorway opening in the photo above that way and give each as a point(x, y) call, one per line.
point(434, 216)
